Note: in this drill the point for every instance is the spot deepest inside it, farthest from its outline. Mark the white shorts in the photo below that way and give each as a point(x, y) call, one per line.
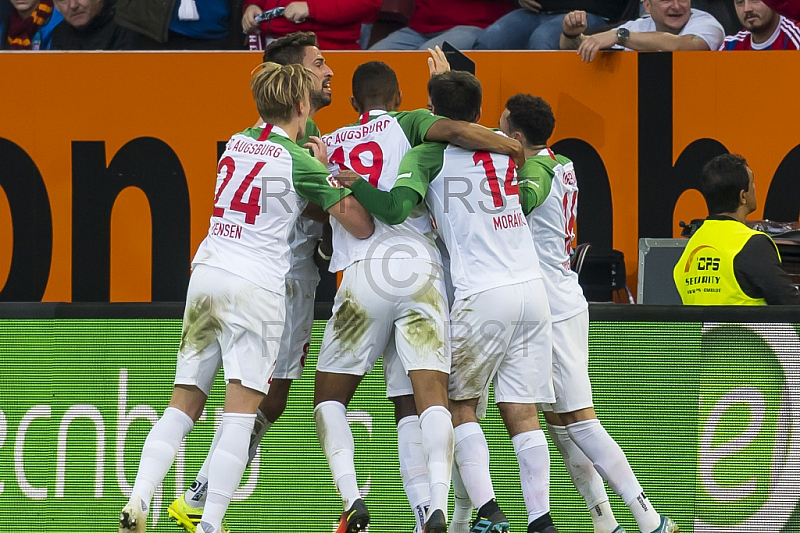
point(400, 299)
point(297, 332)
point(504, 336)
point(228, 322)
point(571, 365)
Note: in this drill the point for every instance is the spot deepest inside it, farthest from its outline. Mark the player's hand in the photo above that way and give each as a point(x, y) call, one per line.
point(530, 5)
point(318, 149)
point(249, 24)
point(519, 156)
point(594, 43)
point(296, 12)
point(437, 63)
point(574, 23)
point(347, 177)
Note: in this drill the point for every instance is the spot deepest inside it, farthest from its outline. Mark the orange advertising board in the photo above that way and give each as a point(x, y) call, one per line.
point(107, 160)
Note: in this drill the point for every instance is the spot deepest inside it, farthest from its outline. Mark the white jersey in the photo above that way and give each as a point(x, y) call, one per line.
point(303, 240)
point(553, 227)
point(474, 202)
point(263, 182)
point(374, 148)
point(700, 24)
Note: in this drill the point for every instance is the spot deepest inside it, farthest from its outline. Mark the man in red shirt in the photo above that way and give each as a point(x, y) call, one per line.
point(337, 23)
point(458, 22)
point(764, 29)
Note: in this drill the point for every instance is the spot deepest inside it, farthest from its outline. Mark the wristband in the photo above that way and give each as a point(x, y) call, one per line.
point(570, 37)
point(322, 254)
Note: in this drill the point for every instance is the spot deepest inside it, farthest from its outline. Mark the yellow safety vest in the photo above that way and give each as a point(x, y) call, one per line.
point(704, 274)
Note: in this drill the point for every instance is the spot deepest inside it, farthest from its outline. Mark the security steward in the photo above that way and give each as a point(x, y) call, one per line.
point(725, 262)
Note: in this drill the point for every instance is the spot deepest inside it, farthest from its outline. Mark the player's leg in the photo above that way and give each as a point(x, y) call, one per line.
point(478, 347)
point(462, 506)
point(583, 428)
point(198, 362)
point(574, 393)
point(523, 380)
point(421, 342)
point(354, 337)
point(252, 322)
point(587, 481)
point(294, 344)
point(413, 468)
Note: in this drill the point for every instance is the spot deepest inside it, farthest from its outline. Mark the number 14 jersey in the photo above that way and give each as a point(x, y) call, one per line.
point(474, 201)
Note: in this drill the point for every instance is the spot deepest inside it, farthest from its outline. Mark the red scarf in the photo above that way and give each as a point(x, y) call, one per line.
point(21, 31)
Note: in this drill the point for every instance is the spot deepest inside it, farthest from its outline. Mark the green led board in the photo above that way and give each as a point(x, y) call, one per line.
point(708, 415)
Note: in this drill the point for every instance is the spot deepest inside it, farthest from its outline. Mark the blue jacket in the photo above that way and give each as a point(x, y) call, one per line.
point(213, 23)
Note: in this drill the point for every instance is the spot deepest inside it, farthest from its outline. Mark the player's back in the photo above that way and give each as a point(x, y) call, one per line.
point(553, 227)
point(474, 202)
point(255, 207)
point(373, 148)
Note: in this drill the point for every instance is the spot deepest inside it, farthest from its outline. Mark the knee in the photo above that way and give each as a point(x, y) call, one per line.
point(545, 38)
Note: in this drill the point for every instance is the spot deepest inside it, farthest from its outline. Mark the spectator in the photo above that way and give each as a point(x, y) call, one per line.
point(460, 22)
point(763, 29)
point(671, 25)
point(725, 262)
point(537, 25)
point(184, 24)
point(89, 25)
point(27, 24)
point(337, 23)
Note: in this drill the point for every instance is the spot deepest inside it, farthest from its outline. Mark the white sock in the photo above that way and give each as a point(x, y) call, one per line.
point(533, 458)
point(586, 480)
point(610, 461)
point(159, 451)
point(603, 518)
point(462, 506)
point(413, 469)
point(227, 464)
point(260, 429)
point(336, 440)
point(196, 494)
point(437, 442)
point(472, 456)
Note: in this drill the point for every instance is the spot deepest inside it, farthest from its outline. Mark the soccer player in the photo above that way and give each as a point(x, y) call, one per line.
point(301, 282)
point(571, 419)
point(391, 287)
point(235, 302)
point(500, 322)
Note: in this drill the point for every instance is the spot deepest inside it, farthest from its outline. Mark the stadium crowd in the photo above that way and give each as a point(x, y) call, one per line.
point(400, 24)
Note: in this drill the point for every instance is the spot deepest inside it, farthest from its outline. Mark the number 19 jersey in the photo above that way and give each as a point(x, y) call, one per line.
point(263, 182)
point(374, 148)
point(474, 202)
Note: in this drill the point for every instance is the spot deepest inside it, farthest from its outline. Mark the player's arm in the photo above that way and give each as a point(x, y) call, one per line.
point(534, 186)
point(394, 206)
point(313, 182)
point(315, 212)
point(475, 137)
point(352, 215)
point(422, 126)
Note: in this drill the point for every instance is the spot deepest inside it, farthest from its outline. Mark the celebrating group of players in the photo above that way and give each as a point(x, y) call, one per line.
point(454, 242)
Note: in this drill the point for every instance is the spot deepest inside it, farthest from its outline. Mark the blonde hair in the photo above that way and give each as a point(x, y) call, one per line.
point(277, 89)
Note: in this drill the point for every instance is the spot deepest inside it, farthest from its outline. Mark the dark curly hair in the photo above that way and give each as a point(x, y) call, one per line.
point(532, 116)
